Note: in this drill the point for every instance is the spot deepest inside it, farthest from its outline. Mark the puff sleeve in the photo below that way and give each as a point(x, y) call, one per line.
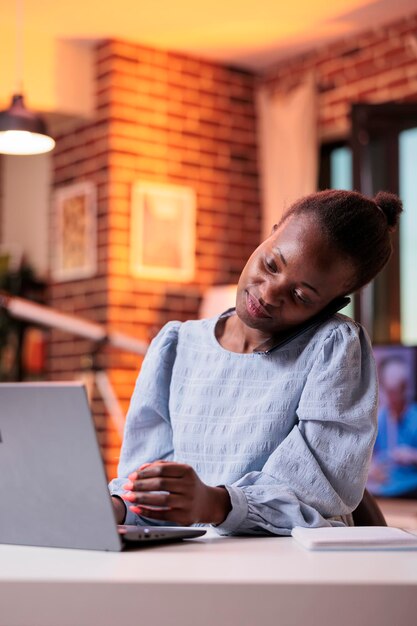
point(148, 432)
point(318, 472)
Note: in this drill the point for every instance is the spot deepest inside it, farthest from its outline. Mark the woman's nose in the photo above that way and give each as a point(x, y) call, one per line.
point(273, 293)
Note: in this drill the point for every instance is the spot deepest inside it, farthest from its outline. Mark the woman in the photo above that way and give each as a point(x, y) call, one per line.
point(233, 425)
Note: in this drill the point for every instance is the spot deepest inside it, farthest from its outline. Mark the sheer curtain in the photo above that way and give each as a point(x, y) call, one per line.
point(288, 141)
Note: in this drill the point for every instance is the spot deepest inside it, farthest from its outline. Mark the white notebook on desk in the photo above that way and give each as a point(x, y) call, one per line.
point(355, 538)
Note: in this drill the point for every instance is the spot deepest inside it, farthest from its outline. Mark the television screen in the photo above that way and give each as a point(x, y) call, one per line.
point(393, 471)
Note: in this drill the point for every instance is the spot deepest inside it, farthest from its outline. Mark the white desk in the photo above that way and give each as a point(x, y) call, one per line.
point(212, 581)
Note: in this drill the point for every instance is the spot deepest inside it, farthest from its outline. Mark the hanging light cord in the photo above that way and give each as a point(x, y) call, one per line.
point(21, 131)
point(19, 46)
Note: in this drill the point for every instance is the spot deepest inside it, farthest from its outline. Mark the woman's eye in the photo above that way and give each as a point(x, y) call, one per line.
point(271, 265)
point(298, 295)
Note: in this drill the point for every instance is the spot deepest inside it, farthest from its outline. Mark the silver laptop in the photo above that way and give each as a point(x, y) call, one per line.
point(53, 487)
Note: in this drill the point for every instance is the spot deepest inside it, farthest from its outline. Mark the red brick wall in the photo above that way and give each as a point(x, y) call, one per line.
point(81, 155)
point(165, 118)
point(377, 66)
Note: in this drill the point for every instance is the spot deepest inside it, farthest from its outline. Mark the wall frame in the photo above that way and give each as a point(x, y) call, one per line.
point(163, 232)
point(75, 233)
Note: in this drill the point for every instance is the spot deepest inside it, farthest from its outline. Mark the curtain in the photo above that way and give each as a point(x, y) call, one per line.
point(288, 141)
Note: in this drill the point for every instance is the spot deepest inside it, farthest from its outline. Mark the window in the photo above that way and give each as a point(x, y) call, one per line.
point(336, 173)
point(384, 149)
point(408, 236)
point(341, 168)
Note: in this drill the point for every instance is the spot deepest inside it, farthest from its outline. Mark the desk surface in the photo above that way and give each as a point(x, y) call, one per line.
point(216, 581)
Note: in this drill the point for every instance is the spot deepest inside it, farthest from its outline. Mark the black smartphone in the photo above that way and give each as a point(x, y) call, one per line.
point(333, 307)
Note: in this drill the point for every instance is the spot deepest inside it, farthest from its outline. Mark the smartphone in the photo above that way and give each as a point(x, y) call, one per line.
point(333, 307)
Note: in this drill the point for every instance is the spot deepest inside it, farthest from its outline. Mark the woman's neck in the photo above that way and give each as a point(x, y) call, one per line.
point(233, 335)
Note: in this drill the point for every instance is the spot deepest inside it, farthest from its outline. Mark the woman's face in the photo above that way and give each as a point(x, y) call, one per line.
point(290, 277)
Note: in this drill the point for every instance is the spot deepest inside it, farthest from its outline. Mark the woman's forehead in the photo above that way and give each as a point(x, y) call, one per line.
point(301, 234)
point(304, 246)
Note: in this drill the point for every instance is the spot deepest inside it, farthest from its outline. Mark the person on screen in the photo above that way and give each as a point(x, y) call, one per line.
point(223, 429)
point(394, 464)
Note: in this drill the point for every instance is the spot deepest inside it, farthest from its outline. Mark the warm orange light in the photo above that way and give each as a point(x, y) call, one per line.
point(223, 30)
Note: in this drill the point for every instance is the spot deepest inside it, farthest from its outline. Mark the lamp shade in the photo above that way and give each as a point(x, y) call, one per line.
point(23, 132)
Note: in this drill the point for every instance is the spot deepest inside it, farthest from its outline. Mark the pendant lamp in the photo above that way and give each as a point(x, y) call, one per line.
point(21, 131)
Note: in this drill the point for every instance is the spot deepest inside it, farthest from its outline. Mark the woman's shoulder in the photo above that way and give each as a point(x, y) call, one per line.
point(197, 332)
point(340, 325)
point(166, 338)
point(341, 332)
point(175, 331)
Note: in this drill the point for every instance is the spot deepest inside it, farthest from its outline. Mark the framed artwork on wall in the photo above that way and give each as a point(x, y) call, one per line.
point(75, 232)
point(163, 231)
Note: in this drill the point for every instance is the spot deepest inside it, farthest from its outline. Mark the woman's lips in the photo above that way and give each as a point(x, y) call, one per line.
point(255, 308)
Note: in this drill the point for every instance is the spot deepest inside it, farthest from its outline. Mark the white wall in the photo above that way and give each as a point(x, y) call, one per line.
point(25, 207)
point(57, 75)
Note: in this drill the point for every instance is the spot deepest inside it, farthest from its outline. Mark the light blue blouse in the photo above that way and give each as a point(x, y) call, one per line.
point(289, 433)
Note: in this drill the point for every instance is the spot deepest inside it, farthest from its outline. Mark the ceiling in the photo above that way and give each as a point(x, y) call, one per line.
point(252, 33)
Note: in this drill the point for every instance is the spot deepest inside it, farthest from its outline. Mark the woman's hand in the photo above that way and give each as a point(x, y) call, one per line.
point(173, 492)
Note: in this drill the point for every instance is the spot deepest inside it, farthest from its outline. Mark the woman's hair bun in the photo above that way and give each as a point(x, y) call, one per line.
point(391, 206)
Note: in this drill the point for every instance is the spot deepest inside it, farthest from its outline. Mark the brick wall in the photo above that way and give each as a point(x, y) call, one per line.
point(165, 118)
point(377, 66)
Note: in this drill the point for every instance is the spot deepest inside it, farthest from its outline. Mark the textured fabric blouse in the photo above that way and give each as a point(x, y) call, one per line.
point(289, 433)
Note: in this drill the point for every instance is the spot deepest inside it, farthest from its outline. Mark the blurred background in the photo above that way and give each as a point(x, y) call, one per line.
point(183, 131)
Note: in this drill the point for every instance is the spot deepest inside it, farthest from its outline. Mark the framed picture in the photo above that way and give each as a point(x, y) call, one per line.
point(163, 232)
point(393, 471)
point(75, 235)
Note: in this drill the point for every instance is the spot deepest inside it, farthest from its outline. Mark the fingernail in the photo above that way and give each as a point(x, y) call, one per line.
point(136, 509)
point(129, 496)
point(145, 465)
point(133, 476)
point(128, 486)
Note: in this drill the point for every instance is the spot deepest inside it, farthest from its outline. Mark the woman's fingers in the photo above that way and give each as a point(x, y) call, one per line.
point(170, 491)
point(173, 485)
point(158, 499)
point(177, 516)
point(164, 491)
point(153, 513)
point(161, 468)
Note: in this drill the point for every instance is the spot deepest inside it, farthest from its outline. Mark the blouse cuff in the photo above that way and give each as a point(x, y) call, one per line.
point(238, 513)
point(131, 518)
